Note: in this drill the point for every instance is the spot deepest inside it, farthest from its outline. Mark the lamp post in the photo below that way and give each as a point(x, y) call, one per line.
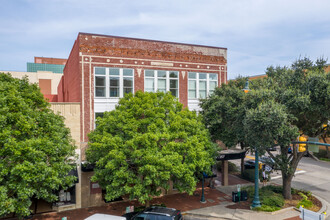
point(203, 197)
point(256, 201)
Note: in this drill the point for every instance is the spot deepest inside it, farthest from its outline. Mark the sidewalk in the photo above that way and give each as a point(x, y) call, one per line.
point(215, 207)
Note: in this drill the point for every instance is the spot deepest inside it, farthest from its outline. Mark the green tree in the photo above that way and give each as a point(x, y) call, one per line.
point(223, 113)
point(288, 100)
point(304, 90)
point(146, 142)
point(35, 147)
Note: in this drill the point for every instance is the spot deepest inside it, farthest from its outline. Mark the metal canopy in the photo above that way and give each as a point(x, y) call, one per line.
point(231, 154)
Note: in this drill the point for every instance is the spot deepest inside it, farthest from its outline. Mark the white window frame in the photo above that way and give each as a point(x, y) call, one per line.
point(167, 78)
point(197, 80)
point(107, 82)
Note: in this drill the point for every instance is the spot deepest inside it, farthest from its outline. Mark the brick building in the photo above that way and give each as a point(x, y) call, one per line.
point(102, 68)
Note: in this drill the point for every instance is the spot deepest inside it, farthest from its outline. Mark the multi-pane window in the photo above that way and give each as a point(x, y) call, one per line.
point(161, 80)
point(200, 85)
point(113, 82)
point(97, 115)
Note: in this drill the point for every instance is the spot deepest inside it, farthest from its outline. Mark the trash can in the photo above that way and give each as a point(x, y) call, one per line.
point(244, 195)
point(235, 197)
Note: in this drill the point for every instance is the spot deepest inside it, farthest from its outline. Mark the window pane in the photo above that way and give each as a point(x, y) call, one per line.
point(99, 114)
point(141, 216)
point(150, 73)
point(202, 76)
point(213, 76)
point(128, 90)
point(128, 82)
point(202, 85)
point(174, 92)
point(161, 73)
point(192, 84)
point(100, 91)
point(162, 84)
point(127, 72)
point(192, 94)
point(202, 94)
point(192, 75)
point(114, 72)
point(99, 81)
point(114, 81)
point(149, 85)
point(174, 74)
point(99, 71)
point(173, 84)
point(213, 85)
point(114, 92)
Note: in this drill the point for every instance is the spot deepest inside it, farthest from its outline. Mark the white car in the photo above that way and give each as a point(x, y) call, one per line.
point(105, 217)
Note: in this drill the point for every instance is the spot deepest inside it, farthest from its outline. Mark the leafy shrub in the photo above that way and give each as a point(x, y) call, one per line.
point(321, 154)
point(275, 189)
point(276, 200)
point(270, 197)
point(305, 202)
point(232, 168)
point(266, 208)
point(249, 190)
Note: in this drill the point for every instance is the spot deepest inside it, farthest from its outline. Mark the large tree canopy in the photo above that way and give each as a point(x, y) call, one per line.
point(35, 147)
point(148, 140)
point(287, 103)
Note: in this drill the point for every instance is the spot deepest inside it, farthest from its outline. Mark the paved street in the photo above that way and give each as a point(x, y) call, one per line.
point(316, 178)
point(311, 175)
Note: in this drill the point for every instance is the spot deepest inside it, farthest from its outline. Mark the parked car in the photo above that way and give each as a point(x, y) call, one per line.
point(104, 217)
point(155, 213)
point(250, 164)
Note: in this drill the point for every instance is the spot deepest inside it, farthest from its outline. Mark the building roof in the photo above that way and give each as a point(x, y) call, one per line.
point(140, 39)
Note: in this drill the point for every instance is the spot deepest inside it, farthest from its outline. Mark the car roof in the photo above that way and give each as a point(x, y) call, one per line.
point(162, 211)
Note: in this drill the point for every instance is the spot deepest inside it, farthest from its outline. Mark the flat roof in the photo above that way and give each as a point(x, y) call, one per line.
point(131, 38)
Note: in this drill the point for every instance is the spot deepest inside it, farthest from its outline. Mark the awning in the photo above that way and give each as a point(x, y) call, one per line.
point(231, 154)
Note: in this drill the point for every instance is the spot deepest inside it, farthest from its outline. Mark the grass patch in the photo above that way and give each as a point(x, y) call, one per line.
point(270, 197)
point(325, 159)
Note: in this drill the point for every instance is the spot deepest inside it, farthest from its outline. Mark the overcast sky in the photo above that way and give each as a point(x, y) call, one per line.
point(256, 33)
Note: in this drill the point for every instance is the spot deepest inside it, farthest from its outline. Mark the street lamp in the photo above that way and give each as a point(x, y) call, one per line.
point(256, 201)
point(203, 197)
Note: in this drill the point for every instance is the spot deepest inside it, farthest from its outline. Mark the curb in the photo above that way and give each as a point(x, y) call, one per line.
point(208, 217)
point(281, 210)
point(325, 205)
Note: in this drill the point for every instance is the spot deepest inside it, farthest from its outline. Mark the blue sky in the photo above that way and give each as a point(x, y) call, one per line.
point(257, 33)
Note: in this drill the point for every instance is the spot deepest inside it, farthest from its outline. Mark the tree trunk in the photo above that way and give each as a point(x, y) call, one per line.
point(287, 186)
point(325, 141)
point(147, 204)
point(242, 166)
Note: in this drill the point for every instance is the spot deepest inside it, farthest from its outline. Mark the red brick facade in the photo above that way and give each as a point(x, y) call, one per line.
point(92, 50)
point(50, 60)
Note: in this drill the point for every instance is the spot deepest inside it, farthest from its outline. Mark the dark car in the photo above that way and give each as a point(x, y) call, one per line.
point(155, 213)
point(250, 164)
